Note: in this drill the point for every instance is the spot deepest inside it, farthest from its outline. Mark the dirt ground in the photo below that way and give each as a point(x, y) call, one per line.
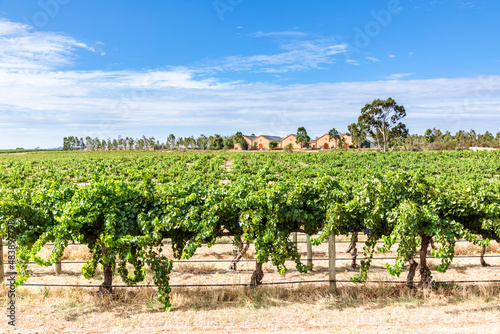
point(374, 308)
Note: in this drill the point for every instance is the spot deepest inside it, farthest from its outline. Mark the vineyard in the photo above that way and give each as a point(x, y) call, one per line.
point(139, 214)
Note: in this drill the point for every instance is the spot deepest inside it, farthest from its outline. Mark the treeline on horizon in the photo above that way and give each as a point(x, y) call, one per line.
point(433, 139)
point(379, 123)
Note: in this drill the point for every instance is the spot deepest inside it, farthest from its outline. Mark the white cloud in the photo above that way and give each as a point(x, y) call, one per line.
point(375, 60)
point(40, 103)
point(297, 55)
point(289, 33)
point(21, 48)
point(352, 62)
point(109, 103)
point(391, 56)
point(398, 76)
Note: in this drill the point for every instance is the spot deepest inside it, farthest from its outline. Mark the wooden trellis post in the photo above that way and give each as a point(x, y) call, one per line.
point(58, 268)
point(1, 262)
point(309, 251)
point(331, 262)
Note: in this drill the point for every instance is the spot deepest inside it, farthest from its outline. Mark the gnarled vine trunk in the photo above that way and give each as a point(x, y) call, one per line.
point(257, 275)
point(353, 249)
point(425, 273)
point(483, 262)
point(411, 272)
point(107, 284)
point(433, 246)
point(242, 249)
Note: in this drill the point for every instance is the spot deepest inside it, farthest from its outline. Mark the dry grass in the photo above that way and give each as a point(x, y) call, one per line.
point(281, 308)
point(353, 296)
point(306, 308)
point(198, 268)
point(467, 249)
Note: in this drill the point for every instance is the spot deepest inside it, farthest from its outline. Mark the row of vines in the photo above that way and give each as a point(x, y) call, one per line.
point(124, 214)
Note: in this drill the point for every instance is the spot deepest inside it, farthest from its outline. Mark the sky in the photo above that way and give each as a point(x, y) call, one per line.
point(133, 68)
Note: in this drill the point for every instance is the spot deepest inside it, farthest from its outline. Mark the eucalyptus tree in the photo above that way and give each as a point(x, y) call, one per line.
point(380, 120)
point(302, 137)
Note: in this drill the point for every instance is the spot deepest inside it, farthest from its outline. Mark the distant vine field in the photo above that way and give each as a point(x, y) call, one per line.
point(123, 205)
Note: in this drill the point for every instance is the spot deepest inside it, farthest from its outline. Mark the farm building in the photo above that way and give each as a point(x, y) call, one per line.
point(368, 143)
point(348, 139)
point(248, 139)
point(264, 140)
point(325, 142)
point(290, 139)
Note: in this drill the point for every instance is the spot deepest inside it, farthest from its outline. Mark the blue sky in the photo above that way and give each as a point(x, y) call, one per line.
point(102, 68)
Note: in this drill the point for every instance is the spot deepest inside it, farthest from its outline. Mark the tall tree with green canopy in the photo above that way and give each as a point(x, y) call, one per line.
point(357, 134)
point(380, 119)
point(243, 144)
point(171, 140)
point(334, 134)
point(302, 137)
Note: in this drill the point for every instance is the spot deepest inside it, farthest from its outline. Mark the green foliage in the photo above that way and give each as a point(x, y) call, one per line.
point(243, 144)
point(302, 137)
point(124, 217)
point(380, 119)
point(273, 144)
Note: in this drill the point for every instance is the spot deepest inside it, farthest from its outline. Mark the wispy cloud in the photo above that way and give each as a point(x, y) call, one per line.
point(297, 55)
point(398, 76)
point(109, 103)
point(38, 95)
point(391, 56)
point(375, 60)
point(288, 33)
point(352, 62)
point(21, 48)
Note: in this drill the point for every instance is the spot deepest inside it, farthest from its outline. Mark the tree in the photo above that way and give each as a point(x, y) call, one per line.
point(380, 120)
point(438, 135)
point(429, 136)
point(255, 147)
point(334, 134)
point(460, 137)
point(471, 137)
point(237, 137)
point(447, 137)
point(171, 140)
point(357, 134)
point(89, 142)
point(215, 142)
point(342, 143)
point(302, 137)
point(243, 144)
point(202, 142)
point(228, 143)
point(66, 144)
point(273, 144)
point(131, 143)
